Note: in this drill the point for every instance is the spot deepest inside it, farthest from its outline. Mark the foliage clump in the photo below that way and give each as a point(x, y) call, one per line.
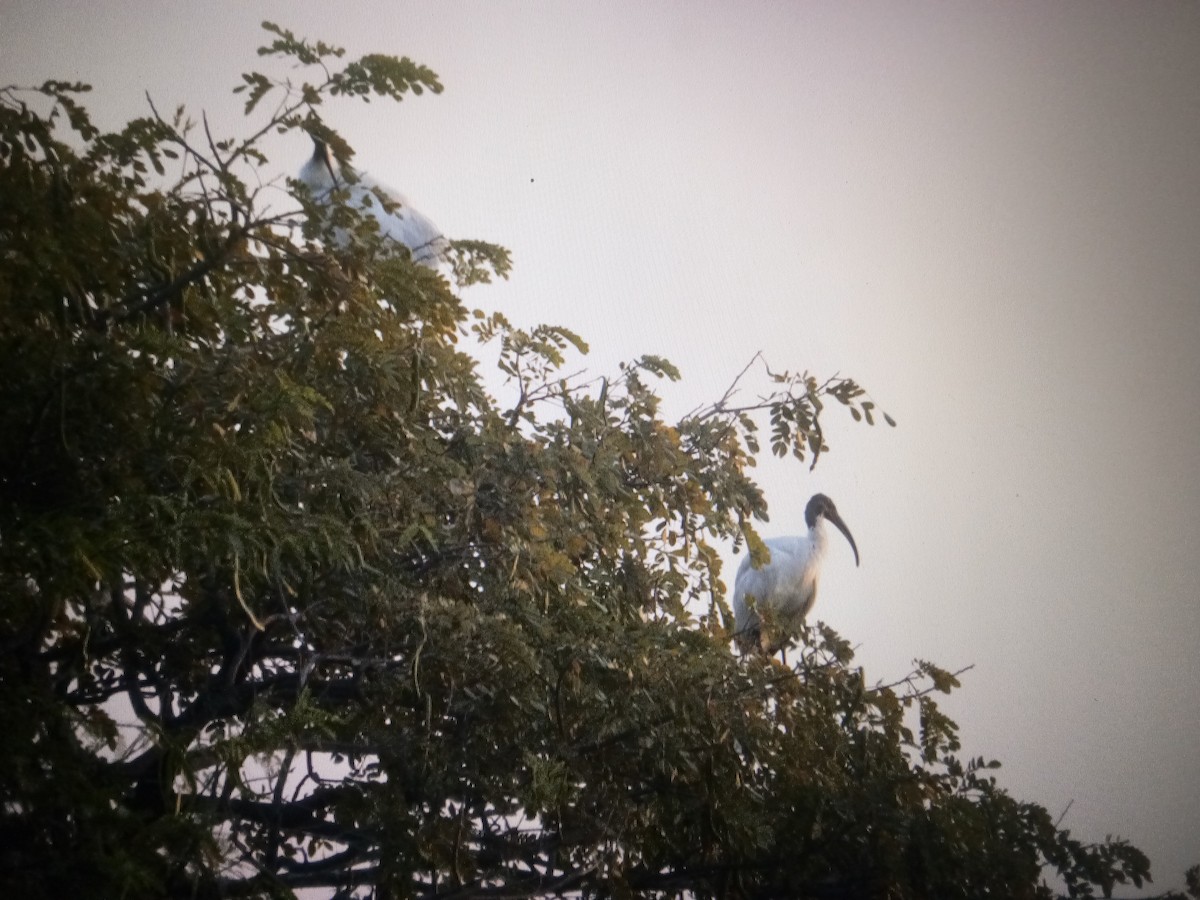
point(291, 601)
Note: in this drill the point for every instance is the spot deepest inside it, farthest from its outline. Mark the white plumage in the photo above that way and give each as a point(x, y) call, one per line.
point(787, 584)
point(405, 223)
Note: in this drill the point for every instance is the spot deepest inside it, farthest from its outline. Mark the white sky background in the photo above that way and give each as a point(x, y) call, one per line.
point(989, 215)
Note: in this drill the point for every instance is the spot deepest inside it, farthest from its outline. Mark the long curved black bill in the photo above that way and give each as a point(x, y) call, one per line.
point(321, 154)
point(841, 526)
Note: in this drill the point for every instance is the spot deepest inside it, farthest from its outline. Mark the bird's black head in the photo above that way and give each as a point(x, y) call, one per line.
point(821, 506)
point(818, 505)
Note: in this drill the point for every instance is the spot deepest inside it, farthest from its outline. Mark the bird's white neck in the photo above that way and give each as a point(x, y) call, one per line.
point(819, 538)
point(317, 174)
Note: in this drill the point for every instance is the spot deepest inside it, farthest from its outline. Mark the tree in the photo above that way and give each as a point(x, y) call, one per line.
point(290, 601)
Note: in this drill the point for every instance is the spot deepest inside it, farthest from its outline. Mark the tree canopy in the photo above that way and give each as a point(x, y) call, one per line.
point(290, 601)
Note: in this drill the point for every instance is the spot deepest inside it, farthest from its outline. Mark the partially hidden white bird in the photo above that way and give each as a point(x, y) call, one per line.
point(404, 223)
point(787, 584)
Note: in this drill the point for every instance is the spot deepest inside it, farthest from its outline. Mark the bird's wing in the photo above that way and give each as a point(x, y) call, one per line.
point(757, 583)
point(763, 582)
point(405, 223)
point(796, 574)
point(416, 231)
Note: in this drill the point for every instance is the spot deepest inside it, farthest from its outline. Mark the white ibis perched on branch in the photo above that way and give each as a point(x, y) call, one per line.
point(787, 584)
point(403, 223)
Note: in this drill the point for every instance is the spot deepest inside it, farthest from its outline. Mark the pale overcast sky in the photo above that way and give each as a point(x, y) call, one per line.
point(989, 214)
